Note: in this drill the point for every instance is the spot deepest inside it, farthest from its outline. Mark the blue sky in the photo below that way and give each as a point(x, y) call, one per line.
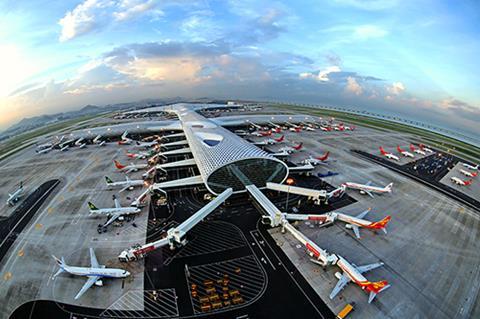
point(414, 58)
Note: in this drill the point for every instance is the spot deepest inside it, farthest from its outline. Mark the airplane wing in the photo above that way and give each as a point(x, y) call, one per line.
point(363, 214)
point(90, 282)
point(128, 171)
point(117, 203)
point(112, 219)
point(369, 267)
point(369, 183)
point(356, 231)
point(368, 193)
point(344, 280)
point(93, 259)
point(124, 189)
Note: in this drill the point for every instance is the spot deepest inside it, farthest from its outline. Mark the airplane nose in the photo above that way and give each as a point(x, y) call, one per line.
point(128, 273)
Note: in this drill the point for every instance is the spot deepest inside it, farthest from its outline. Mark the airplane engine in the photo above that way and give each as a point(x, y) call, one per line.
point(338, 275)
point(362, 192)
point(99, 283)
point(348, 226)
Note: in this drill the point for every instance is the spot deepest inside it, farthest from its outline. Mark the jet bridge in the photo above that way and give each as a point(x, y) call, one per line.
point(272, 215)
point(316, 195)
point(176, 236)
point(177, 143)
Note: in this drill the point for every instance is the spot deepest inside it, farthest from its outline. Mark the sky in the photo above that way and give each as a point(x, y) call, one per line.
point(417, 59)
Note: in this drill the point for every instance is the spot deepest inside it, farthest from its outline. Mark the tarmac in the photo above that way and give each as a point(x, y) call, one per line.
point(430, 252)
point(472, 190)
point(63, 227)
point(431, 249)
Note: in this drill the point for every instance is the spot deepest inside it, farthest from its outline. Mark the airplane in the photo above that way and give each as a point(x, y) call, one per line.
point(473, 168)
point(64, 148)
point(354, 222)
point(388, 155)
point(316, 160)
point(296, 129)
point(125, 140)
point(461, 182)
point(368, 189)
point(467, 173)
point(44, 150)
point(354, 273)
point(127, 184)
point(79, 141)
point(144, 144)
point(424, 148)
point(96, 140)
point(129, 168)
point(261, 133)
point(94, 273)
point(417, 150)
point(271, 141)
point(13, 198)
point(140, 155)
point(113, 213)
point(291, 149)
point(326, 128)
point(404, 153)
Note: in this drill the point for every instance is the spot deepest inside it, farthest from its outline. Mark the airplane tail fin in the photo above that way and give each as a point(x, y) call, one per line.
point(299, 146)
point(61, 264)
point(473, 174)
point(380, 224)
point(324, 157)
point(375, 288)
point(118, 165)
point(108, 180)
point(399, 149)
point(382, 151)
point(91, 206)
point(412, 148)
point(388, 188)
point(470, 181)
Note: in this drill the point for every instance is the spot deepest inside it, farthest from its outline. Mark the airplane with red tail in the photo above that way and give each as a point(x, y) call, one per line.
point(388, 155)
point(404, 153)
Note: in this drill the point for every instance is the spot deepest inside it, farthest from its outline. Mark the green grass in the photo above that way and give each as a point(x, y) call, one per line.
point(439, 141)
point(24, 139)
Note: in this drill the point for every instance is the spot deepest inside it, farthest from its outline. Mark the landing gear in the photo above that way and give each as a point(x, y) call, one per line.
point(101, 229)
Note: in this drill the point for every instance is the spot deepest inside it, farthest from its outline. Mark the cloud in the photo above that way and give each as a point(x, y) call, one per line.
point(95, 14)
point(369, 31)
point(322, 75)
point(333, 59)
point(353, 86)
point(129, 9)
point(396, 88)
point(370, 5)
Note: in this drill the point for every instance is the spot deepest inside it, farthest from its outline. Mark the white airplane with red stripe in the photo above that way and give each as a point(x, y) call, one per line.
point(404, 153)
point(125, 140)
point(129, 168)
point(368, 188)
point(473, 168)
point(271, 141)
point(417, 150)
point(424, 148)
point(460, 181)
point(468, 174)
point(317, 160)
point(388, 155)
point(291, 149)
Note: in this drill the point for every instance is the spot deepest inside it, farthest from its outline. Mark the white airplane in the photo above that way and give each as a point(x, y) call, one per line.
point(270, 141)
point(94, 273)
point(316, 160)
point(404, 153)
point(79, 141)
point(354, 222)
point(96, 140)
point(144, 144)
point(114, 213)
point(13, 198)
point(129, 168)
point(417, 150)
point(140, 155)
point(291, 149)
point(261, 133)
point(326, 128)
point(468, 174)
point(388, 155)
point(368, 188)
point(124, 139)
point(353, 273)
point(473, 168)
point(127, 184)
point(424, 148)
point(44, 150)
point(461, 182)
